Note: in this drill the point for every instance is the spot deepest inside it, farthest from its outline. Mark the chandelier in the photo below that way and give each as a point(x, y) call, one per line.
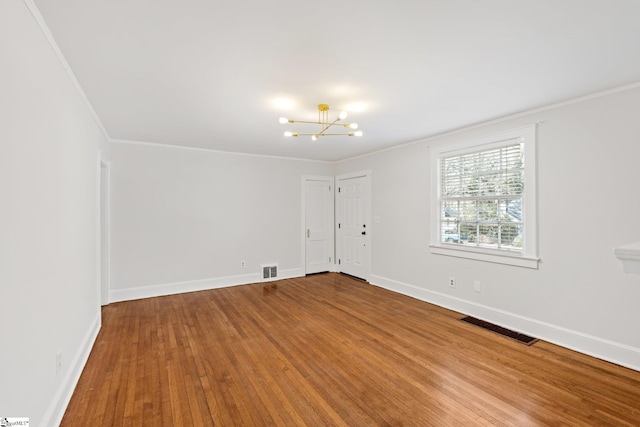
point(325, 124)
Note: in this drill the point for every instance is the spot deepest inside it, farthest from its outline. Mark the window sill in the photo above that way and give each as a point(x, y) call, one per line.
point(629, 255)
point(514, 260)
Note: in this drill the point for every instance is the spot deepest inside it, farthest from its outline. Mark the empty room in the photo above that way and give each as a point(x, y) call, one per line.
point(420, 213)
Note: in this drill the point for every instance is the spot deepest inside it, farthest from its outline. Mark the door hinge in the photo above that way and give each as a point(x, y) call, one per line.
point(338, 225)
point(339, 188)
point(339, 261)
point(329, 259)
point(329, 188)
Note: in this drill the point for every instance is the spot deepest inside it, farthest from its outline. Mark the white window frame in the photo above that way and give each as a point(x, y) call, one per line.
point(529, 256)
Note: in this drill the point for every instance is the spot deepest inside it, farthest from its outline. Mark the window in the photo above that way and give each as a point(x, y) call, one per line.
point(484, 199)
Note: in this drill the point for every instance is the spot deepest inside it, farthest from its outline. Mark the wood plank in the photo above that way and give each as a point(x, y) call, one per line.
point(330, 350)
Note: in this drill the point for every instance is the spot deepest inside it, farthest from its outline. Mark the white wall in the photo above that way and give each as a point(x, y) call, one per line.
point(589, 203)
point(183, 219)
point(49, 146)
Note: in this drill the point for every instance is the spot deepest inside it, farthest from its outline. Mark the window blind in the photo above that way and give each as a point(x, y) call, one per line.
point(481, 195)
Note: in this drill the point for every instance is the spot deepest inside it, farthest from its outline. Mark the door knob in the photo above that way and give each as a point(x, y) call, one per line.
point(364, 233)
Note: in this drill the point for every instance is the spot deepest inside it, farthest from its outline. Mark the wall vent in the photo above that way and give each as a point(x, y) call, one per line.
point(269, 271)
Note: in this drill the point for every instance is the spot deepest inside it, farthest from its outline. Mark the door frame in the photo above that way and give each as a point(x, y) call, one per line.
point(367, 252)
point(303, 222)
point(104, 226)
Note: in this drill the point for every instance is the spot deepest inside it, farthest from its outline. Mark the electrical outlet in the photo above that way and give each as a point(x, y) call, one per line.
point(242, 264)
point(476, 286)
point(452, 282)
point(58, 362)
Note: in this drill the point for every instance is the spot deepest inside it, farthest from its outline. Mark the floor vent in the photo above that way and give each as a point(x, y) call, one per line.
point(524, 339)
point(269, 272)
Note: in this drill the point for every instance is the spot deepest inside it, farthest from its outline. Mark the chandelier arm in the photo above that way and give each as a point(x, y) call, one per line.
point(305, 121)
point(329, 125)
point(323, 134)
point(319, 123)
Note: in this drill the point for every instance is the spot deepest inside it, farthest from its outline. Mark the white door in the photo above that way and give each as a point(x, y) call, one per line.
point(354, 227)
point(318, 220)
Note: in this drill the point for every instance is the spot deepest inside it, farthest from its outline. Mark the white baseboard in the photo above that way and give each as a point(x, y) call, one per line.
point(610, 351)
point(195, 285)
point(55, 412)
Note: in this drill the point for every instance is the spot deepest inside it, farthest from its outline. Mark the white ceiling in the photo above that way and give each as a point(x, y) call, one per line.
point(218, 75)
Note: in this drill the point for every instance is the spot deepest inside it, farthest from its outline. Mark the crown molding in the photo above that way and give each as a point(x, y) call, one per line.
point(210, 150)
point(498, 120)
point(33, 9)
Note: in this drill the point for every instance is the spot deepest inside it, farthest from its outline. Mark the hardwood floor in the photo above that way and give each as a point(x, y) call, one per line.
point(331, 350)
